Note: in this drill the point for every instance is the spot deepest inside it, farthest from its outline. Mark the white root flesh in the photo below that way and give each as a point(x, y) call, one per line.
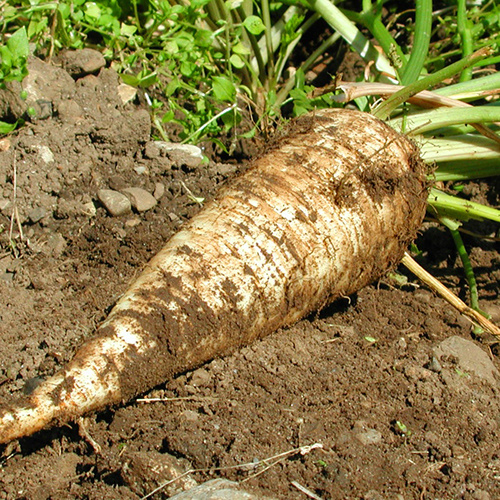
point(326, 211)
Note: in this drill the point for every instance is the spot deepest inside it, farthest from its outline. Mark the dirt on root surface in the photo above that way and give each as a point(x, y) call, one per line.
point(385, 395)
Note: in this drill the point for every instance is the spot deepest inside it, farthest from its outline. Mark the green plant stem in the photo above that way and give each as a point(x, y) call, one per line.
point(471, 147)
point(423, 27)
point(446, 205)
point(386, 108)
point(466, 170)
point(468, 270)
point(463, 27)
point(483, 84)
point(266, 19)
point(466, 264)
point(426, 121)
point(290, 83)
point(374, 24)
point(339, 22)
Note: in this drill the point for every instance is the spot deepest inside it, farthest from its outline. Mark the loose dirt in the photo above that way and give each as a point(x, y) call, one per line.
point(388, 384)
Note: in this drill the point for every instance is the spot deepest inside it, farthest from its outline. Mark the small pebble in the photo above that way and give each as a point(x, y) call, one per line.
point(132, 222)
point(89, 209)
point(370, 436)
point(434, 365)
point(140, 199)
point(140, 170)
point(159, 190)
point(115, 203)
point(5, 144)
point(46, 154)
point(126, 92)
point(182, 154)
point(37, 214)
point(200, 378)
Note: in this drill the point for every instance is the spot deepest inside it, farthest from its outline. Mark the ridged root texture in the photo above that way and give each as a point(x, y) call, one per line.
point(327, 210)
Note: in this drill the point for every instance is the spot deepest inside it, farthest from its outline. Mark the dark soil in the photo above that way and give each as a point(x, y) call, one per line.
point(374, 381)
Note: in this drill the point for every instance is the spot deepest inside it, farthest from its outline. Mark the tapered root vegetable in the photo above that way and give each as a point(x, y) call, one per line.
point(327, 210)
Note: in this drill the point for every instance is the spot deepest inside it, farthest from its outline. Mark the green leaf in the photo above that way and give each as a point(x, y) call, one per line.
point(224, 89)
point(173, 86)
point(147, 80)
point(18, 45)
point(204, 38)
point(7, 128)
point(6, 58)
point(64, 10)
point(92, 11)
point(131, 80)
point(241, 49)
point(237, 61)
point(254, 25)
point(187, 68)
point(127, 29)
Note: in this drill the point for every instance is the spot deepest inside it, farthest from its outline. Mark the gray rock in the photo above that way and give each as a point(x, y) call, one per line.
point(83, 62)
point(471, 358)
point(370, 436)
point(115, 203)
point(140, 199)
point(145, 471)
point(37, 214)
point(435, 365)
point(182, 154)
point(45, 153)
point(218, 489)
point(365, 434)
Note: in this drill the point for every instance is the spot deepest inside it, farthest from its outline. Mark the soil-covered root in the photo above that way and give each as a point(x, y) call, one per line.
point(327, 210)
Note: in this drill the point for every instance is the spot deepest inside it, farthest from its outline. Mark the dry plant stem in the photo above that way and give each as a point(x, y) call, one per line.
point(286, 238)
point(15, 213)
point(449, 296)
point(424, 99)
point(307, 493)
